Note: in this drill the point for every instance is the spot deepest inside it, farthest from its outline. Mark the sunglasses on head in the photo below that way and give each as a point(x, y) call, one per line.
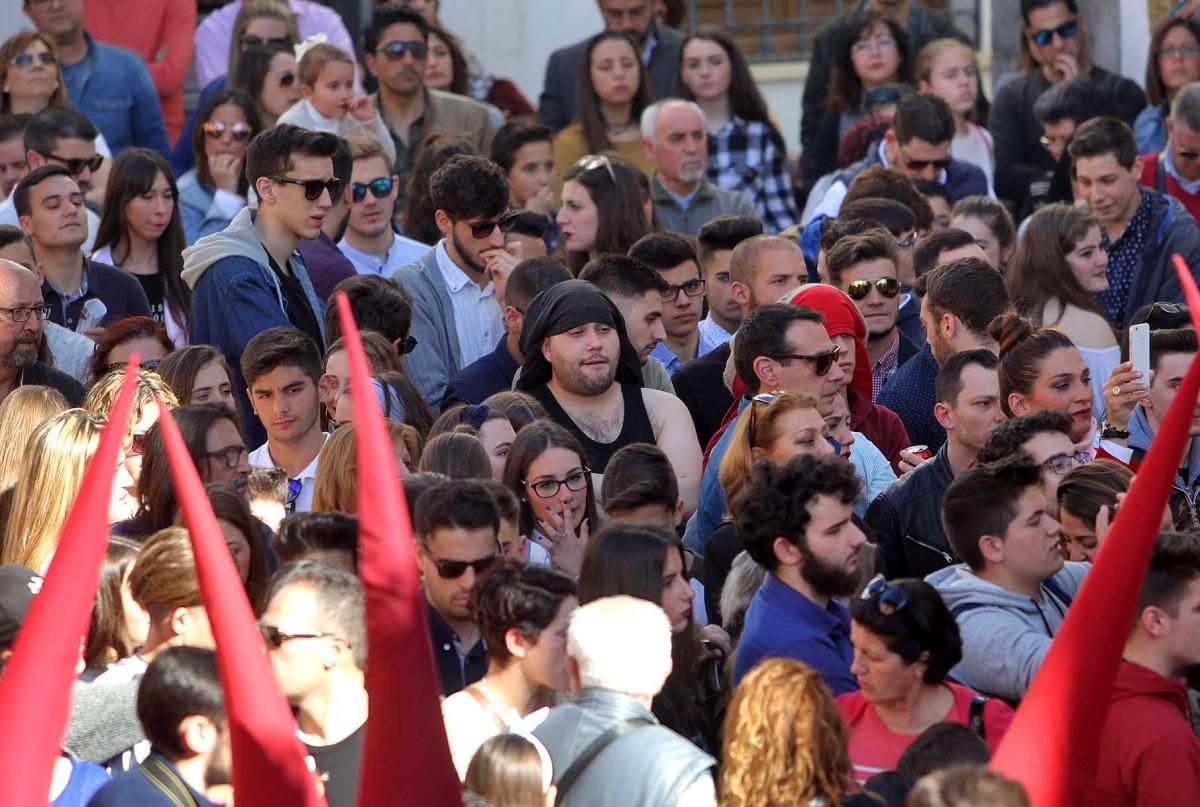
point(592, 161)
point(216, 129)
point(887, 286)
point(314, 187)
point(1068, 30)
point(454, 569)
point(821, 361)
point(379, 187)
point(892, 599)
point(76, 165)
point(274, 637)
point(255, 41)
point(483, 229)
point(764, 398)
point(27, 59)
point(394, 51)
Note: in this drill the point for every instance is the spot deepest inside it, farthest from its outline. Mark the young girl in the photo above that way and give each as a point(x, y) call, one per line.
point(946, 68)
point(328, 103)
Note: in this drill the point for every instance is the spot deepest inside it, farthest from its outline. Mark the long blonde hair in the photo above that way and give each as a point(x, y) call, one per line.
point(739, 457)
point(23, 409)
point(56, 455)
point(336, 487)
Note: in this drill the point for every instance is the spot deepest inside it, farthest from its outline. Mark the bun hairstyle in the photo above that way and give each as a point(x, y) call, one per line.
point(1023, 346)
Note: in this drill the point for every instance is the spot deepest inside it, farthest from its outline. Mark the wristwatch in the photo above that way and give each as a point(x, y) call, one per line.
point(1108, 432)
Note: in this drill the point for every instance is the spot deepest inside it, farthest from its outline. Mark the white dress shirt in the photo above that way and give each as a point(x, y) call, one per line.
point(477, 317)
point(261, 458)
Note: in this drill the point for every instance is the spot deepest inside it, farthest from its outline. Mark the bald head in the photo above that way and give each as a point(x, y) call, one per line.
point(14, 274)
point(762, 269)
point(21, 293)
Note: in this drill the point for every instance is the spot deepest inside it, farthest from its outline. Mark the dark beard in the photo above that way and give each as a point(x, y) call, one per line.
point(826, 579)
point(464, 256)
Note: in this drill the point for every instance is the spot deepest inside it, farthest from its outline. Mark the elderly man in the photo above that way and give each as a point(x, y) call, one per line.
point(21, 314)
point(675, 136)
point(1176, 171)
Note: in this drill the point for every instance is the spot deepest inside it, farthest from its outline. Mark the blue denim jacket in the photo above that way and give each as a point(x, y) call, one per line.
point(112, 87)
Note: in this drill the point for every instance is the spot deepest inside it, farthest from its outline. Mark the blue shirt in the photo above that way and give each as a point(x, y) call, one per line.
point(671, 362)
point(112, 87)
point(1124, 261)
point(910, 394)
point(86, 779)
point(154, 782)
point(783, 623)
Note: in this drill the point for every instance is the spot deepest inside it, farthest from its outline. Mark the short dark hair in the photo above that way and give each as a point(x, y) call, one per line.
point(834, 230)
point(983, 501)
point(13, 125)
point(623, 277)
point(924, 626)
point(468, 186)
point(1174, 563)
point(940, 746)
point(856, 249)
point(46, 128)
point(343, 166)
point(890, 183)
point(179, 683)
point(1180, 340)
point(515, 135)
point(896, 217)
point(774, 502)
point(302, 533)
point(281, 346)
point(530, 224)
point(726, 232)
point(930, 248)
point(1104, 135)
point(1007, 439)
point(340, 600)
point(661, 251)
point(1074, 100)
point(270, 152)
point(969, 289)
point(385, 16)
point(506, 501)
point(949, 378)
point(1034, 5)
point(923, 115)
point(11, 235)
point(458, 503)
point(1161, 317)
point(516, 596)
point(932, 189)
point(639, 474)
point(531, 277)
point(37, 176)
point(763, 332)
point(379, 304)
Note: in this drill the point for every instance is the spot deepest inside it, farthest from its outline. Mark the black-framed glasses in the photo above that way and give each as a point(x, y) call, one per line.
point(408, 345)
point(255, 41)
point(379, 187)
point(148, 364)
point(589, 162)
point(548, 488)
point(75, 165)
point(887, 286)
point(314, 187)
point(1068, 30)
point(821, 361)
point(454, 569)
point(693, 288)
point(892, 599)
point(294, 488)
point(482, 229)
point(24, 60)
point(230, 455)
point(1060, 464)
point(216, 129)
point(1171, 51)
point(274, 637)
point(394, 51)
point(24, 313)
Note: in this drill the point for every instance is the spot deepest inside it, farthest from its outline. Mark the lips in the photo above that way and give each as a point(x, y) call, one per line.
point(1082, 414)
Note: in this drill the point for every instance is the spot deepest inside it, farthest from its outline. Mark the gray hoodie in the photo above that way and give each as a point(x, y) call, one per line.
point(1005, 635)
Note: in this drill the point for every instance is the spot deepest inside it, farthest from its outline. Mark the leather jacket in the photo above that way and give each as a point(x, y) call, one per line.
point(906, 522)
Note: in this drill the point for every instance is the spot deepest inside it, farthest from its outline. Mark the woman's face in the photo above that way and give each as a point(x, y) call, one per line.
point(883, 677)
point(333, 383)
point(838, 424)
point(497, 436)
point(578, 218)
point(235, 134)
point(984, 237)
point(559, 464)
point(677, 592)
point(404, 461)
point(1079, 537)
point(954, 78)
point(212, 386)
point(1179, 58)
point(800, 431)
point(239, 547)
point(133, 453)
point(36, 81)
point(614, 71)
point(147, 215)
point(1064, 384)
point(439, 67)
point(147, 347)
point(1089, 262)
point(875, 56)
point(706, 69)
point(545, 661)
point(136, 620)
point(281, 88)
point(846, 356)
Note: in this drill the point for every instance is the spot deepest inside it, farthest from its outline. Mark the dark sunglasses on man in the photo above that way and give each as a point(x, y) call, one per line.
point(394, 51)
point(821, 361)
point(482, 229)
point(454, 569)
point(75, 165)
point(379, 187)
point(887, 286)
point(1068, 30)
point(314, 187)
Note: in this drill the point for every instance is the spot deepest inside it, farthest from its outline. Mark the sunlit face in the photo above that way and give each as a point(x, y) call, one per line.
point(975, 413)
point(878, 310)
point(837, 422)
point(32, 85)
point(584, 359)
point(778, 272)
point(1179, 58)
point(1064, 384)
point(834, 543)
point(556, 463)
point(223, 437)
point(578, 218)
point(532, 171)
point(798, 432)
point(680, 147)
point(286, 401)
point(706, 70)
point(333, 90)
point(875, 56)
point(615, 72)
point(281, 87)
point(147, 347)
point(1089, 262)
point(449, 596)
point(404, 76)
point(233, 119)
point(133, 452)
point(1049, 449)
point(882, 676)
point(57, 216)
point(239, 547)
point(984, 236)
point(544, 662)
point(1030, 545)
point(677, 592)
point(1110, 189)
point(806, 338)
point(682, 315)
point(301, 666)
point(439, 66)
point(372, 217)
point(136, 621)
point(212, 385)
point(643, 322)
point(148, 214)
point(954, 78)
point(497, 436)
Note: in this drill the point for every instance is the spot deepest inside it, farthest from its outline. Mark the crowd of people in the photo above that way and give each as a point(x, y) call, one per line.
point(736, 475)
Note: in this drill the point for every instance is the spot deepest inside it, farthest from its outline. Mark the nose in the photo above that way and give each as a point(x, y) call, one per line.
point(563, 218)
point(856, 665)
point(857, 538)
point(836, 374)
point(243, 466)
point(496, 239)
point(658, 331)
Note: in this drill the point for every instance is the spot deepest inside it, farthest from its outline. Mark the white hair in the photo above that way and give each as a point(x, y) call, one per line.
point(1186, 107)
point(650, 115)
point(621, 644)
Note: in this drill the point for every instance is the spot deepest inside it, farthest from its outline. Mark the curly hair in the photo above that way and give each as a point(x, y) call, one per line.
point(785, 741)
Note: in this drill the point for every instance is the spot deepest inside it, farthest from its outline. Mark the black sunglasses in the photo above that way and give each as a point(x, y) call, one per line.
point(75, 165)
point(294, 488)
point(255, 41)
point(27, 59)
point(1068, 30)
point(275, 638)
point(394, 51)
point(379, 187)
point(314, 187)
point(887, 286)
point(821, 361)
point(408, 345)
point(921, 165)
point(454, 569)
point(892, 599)
point(482, 229)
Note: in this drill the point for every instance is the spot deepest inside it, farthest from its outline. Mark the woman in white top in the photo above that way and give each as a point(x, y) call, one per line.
point(1053, 278)
point(946, 68)
point(522, 611)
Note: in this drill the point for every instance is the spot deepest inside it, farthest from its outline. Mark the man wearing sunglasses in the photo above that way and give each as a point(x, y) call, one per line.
point(372, 242)
point(250, 277)
point(457, 528)
point(1176, 169)
point(1054, 40)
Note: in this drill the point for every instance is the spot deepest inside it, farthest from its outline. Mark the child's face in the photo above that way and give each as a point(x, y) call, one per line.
point(333, 89)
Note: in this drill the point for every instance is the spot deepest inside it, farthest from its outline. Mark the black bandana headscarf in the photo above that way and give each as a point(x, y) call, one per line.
point(557, 310)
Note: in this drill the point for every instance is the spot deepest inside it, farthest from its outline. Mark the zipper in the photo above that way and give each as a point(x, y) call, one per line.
point(945, 555)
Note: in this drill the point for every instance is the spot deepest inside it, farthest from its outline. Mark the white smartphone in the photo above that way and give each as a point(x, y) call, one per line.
point(93, 312)
point(1139, 350)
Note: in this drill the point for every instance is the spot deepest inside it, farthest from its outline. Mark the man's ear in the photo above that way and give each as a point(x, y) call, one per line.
point(264, 188)
point(992, 548)
point(26, 223)
point(941, 413)
point(34, 160)
point(179, 620)
point(740, 292)
point(513, 319)
point(786, 552)
point(325, 389)
point(444, 223)
point(765, 371)
point(198, 735)
point(648, 147)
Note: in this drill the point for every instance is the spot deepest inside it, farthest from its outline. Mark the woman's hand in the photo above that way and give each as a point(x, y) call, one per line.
point(226, 172)
point(719, 638)
point(1124, 390)
point(557, 536)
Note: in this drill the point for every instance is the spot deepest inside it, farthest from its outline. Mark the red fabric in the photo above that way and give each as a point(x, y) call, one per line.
point(1190, 201)
point(35, 692)
point(841, 318)
point(875, 748)
point(1149, 754)
point(880, 425)
point(268, 759)
point(406, 758)
point(505, 96)
point(1053, 743)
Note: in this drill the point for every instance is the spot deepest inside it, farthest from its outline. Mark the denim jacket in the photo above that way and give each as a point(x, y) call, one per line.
point(112, 87)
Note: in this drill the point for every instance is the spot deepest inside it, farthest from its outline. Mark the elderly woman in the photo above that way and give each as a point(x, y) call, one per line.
point(905, 642)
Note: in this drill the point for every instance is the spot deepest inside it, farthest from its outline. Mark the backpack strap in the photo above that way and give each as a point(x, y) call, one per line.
point(575, 769)
point(975, 715)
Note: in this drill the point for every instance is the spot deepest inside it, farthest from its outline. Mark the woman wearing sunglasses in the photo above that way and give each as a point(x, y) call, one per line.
point(30, 75)
point(213, 192)
point(905, 643)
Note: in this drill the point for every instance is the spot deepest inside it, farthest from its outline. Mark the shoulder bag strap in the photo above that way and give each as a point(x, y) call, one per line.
point(975, 717)
point(576, 768)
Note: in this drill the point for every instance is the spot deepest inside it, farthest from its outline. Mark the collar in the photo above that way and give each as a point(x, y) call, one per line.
point(1139, 222)
point(1189, 186)
point(263, 452)
point(660, 193)
point(890, 356)
point(456, 279)
point(69, 297)
point(786, 601)
point(442, 632)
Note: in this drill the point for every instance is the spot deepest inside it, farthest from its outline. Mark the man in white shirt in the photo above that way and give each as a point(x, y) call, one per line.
point(371, 242)
point(282, 368)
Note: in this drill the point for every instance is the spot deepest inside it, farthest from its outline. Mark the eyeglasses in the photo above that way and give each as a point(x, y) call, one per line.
point(76, 165)
point(255, 41)
point(314, 187)
point(548, 488)
point(275, 638)
point(1068, 30)
point(408, 345)
point(590, 162)
point(1060, 464)
point(287, 79)
point(887, 286)
point(1171, 51)
point(821, 361)
point(24, 60)
point(454, 569)
point(483, 229)
point(379, 187)
point(216, 129)
point(1051, 142)
point(693, 288)
point(394, 51)
point(232, 455)
point(940, 164)
point(891, 598)
point(872, 45)
point(23, 314)
point(148, 364)
point(294, 488)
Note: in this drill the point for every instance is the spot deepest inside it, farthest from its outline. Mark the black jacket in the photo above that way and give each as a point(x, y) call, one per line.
point(1172, 230)
point(906, 522)
point(44, 375)
point(700, 384)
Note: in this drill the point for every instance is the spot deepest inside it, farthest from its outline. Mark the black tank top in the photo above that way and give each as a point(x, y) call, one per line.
point(636, 427)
